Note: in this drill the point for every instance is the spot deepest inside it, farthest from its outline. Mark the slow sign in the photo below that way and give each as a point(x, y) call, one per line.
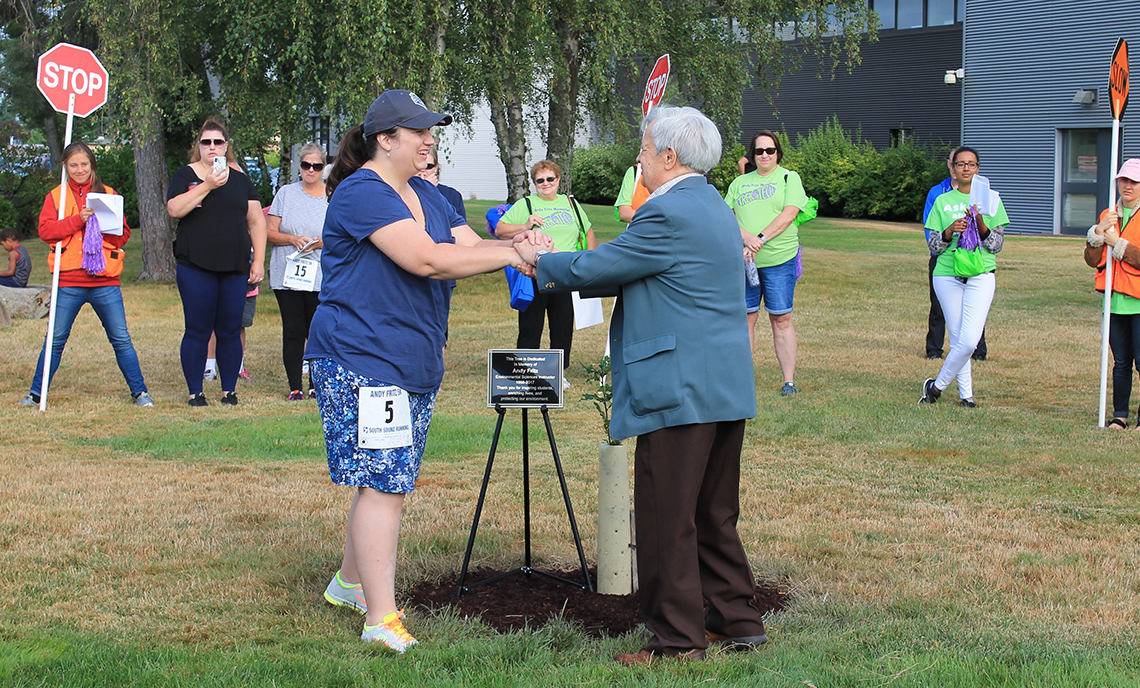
point(68, 69)
point(1118, 80)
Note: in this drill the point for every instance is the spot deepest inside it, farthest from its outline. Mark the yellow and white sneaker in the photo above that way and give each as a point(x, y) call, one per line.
point(344, 595)
point(391, 632)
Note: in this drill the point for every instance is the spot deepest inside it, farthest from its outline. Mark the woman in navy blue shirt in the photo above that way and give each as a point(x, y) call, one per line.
point(375, 349)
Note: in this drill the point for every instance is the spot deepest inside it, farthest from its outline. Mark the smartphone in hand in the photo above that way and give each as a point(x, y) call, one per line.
point(219, 163)
point(307, 247)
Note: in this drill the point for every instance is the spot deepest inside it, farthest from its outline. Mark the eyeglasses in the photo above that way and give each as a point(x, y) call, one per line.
point(765, 151)
point(431, 166)
point(965, 165)
point(212, 142)
point(318, 166)
point(546, 180)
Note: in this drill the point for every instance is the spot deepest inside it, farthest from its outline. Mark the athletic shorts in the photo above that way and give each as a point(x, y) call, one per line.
point(385, 470)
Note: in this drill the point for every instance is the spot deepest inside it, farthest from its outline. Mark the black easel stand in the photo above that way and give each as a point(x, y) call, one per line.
point(526, 568)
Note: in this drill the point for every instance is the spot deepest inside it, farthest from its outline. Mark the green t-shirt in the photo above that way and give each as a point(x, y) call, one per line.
point(758, 200)
point(950, 207)
point(1123, 304)
point(625, 196)
point(559, 219)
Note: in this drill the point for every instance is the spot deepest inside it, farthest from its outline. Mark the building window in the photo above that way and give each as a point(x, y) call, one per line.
point(939, 12)
point(916, 14)
point(910, 14)
point(901, 136)
point(319, 130)
point(886, 10)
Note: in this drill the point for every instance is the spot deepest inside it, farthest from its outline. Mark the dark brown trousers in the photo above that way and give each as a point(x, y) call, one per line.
point(687, 497)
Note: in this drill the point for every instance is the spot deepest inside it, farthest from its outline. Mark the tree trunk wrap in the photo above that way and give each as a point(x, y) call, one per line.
point(615, 561)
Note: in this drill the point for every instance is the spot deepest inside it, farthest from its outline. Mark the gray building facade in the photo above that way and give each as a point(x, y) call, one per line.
point(1025, 63)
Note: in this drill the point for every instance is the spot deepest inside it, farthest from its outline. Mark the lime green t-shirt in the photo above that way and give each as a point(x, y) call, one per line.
point(558, 218)
point(758, 200)
point(949, 208)
point(1123, 304)
point(625, 196)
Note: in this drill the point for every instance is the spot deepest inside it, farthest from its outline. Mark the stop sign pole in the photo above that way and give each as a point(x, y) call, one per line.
point(58, 73)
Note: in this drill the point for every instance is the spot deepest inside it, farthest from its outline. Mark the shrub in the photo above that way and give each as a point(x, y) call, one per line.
point(24, 182)
point(117, 168)
point(726, 170)
point(826, 159)
point(599, 169)
point(892, 185)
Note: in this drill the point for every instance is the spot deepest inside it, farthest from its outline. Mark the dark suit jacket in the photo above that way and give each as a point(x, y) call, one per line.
point(679, 334)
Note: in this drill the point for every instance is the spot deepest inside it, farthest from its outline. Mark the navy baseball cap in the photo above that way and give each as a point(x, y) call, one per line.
point(400, 108)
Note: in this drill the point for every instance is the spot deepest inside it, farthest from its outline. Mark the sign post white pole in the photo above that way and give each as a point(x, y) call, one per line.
point(46, 379)
point(1118, 100)
point(1106, 317)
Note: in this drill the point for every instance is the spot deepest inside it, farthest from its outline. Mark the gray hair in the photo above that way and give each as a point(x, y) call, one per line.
point(688, 132)
point(311, 147)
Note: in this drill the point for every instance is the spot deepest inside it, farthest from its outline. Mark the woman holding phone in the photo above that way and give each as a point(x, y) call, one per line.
point(295, 221)
point(220, 251)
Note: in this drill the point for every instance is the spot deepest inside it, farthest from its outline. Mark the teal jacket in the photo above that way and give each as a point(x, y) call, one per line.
point(679, 334)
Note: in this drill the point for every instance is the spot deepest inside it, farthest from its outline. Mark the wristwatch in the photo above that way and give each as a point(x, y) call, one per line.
point(539, 253)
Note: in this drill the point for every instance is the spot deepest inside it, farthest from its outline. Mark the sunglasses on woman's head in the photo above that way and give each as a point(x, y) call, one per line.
point(765, 151)
point(215, 142)
point(318, 166)
point(542, 180)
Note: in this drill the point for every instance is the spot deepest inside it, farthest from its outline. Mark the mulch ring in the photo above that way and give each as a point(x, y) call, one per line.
point(518, 601)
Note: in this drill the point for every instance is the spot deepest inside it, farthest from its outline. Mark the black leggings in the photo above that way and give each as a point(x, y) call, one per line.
point(1124, 338)
point(560, 309)
point(297, 308)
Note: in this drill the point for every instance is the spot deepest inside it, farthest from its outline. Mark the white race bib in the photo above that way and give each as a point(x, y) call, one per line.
point(385, 418)
point(301, 273)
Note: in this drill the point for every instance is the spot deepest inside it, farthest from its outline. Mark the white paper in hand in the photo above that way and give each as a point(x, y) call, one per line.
point(587, 312)
point(983, 196)
point(108, 211)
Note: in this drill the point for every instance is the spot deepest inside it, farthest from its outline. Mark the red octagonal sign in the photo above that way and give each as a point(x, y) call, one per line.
point(67, 69)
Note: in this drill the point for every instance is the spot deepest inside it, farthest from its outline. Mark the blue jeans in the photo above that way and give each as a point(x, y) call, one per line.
point(108, 305)
point(777, 288)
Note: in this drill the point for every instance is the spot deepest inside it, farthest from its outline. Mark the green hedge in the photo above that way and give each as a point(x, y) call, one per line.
point(599, 169)
point(847, 175)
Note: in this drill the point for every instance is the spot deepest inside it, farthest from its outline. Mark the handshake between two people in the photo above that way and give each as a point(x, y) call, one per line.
point(528, 244)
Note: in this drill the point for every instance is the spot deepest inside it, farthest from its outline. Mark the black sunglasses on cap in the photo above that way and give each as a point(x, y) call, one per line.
point(306, 165)
point(540, 180)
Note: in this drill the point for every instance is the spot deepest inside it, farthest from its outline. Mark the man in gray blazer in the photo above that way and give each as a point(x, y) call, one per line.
point(683, 384)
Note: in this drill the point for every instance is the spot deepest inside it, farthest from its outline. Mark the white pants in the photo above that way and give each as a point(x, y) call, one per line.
point(966, 307)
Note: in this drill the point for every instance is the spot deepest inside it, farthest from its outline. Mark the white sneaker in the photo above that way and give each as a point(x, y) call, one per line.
point(391, 632)
point(344, 595)
point(210, 374)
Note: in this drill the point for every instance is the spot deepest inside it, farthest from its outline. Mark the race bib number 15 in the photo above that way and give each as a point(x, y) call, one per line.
point(385, 418)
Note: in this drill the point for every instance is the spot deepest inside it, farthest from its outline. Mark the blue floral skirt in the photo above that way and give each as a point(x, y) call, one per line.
point(385, 470)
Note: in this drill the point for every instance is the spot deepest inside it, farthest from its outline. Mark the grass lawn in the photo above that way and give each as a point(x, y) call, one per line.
point(932, 546)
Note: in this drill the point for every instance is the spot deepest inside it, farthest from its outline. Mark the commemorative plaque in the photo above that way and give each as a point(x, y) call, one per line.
point(524, 378)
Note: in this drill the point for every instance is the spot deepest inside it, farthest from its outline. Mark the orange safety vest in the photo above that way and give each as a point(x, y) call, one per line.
point(71, 253)
point(640, 195)
point(1125, 278)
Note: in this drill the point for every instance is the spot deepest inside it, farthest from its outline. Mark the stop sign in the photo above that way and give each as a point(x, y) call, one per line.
point(655, 85)
point(68, 69)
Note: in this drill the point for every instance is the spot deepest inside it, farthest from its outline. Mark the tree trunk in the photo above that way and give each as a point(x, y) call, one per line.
point(507, 116)
point(51, 133)
point(562, 116)
point(155, 226)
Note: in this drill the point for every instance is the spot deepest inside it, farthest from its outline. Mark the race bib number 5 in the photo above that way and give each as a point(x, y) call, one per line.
point(385, 418)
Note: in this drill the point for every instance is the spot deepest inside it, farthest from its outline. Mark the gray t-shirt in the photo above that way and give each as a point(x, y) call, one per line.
point(23, 266)
point(301, 215)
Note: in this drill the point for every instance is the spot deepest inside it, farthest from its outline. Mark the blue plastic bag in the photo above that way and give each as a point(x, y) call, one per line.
point(522, 288)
